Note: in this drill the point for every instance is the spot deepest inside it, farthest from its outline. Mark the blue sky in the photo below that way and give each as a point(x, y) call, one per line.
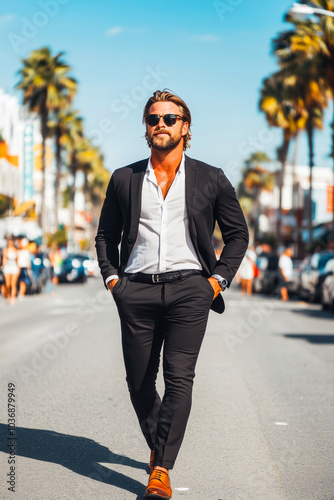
point(213, 54)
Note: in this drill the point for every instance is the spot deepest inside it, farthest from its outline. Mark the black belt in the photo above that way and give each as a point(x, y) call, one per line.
point(162, 277)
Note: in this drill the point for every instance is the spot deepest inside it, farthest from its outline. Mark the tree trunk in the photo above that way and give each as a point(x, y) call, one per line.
point(295, 197)
point(58, 176)
point(44, 119)
point(294, 175)
point(88, 205)
point(283, 158)
point(310, 137)
point(72, 189)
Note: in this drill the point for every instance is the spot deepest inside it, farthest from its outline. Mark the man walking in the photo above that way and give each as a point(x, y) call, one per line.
point(166, 277)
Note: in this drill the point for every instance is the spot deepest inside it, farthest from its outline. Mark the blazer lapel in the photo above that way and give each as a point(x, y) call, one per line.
point(135, 198)
point(192, 204)
point(191, 183)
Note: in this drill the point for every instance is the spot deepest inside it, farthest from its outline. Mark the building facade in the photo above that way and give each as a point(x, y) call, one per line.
point(295, 193)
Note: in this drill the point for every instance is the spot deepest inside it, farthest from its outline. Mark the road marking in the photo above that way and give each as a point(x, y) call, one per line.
point(181, 489)
point(281, 423)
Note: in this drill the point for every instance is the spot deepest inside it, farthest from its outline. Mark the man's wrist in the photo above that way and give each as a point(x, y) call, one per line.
point(223, 283)
point(111, 278)
point(111, 283)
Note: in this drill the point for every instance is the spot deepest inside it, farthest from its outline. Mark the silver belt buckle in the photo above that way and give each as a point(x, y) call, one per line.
point(155, 278)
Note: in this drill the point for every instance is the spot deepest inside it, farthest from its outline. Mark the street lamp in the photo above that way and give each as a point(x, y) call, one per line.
point(302, 10)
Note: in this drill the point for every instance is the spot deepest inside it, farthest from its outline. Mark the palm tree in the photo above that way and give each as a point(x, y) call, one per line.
point(84, 157)
point(45, 81)
point(93, 163)
point(255, 180)
point(323, 44)
point(286, 111)
point(73, 141)
point(96, 182)
point(96, 178)
point(303, 73)
point(59, 125)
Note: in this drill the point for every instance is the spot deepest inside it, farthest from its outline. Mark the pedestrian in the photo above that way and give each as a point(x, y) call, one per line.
point(285, 267)
point(11, 269)
point(247, 273)
point(166, 278)
point(55, 258)
point(3, 289)
point(24, 263)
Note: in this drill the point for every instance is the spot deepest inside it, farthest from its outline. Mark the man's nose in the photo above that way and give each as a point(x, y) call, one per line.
point(161, 122)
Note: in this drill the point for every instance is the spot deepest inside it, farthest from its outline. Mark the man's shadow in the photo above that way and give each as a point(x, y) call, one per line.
point(79, 454)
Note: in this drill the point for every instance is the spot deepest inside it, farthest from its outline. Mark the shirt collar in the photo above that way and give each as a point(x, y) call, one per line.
point(150, 169)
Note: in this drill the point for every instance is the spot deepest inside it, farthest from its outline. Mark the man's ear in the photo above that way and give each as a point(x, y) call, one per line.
point(185, 128)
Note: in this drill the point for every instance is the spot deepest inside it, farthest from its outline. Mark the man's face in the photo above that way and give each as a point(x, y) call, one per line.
point(161, 136)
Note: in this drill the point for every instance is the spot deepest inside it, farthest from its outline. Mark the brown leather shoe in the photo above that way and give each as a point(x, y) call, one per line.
point(158, 486)
point(150, 466)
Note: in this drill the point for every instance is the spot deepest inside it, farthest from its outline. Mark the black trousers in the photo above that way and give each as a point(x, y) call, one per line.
point(172, 318)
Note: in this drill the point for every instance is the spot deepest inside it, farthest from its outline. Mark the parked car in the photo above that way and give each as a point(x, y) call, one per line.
point(327, 288)
point(268, 273)
point(72, 269)
point(42, 266)
point(314, 275)
point(91, 265)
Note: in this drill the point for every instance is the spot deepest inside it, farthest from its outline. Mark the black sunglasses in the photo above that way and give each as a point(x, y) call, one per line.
point(169, 119)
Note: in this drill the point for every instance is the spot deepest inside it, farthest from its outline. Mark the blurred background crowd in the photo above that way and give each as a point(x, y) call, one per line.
point(25, 268)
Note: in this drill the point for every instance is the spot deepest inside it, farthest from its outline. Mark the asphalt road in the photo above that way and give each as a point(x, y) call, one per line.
point(261, 425)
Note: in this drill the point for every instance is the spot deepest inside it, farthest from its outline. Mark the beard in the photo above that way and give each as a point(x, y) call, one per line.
point(166, 145)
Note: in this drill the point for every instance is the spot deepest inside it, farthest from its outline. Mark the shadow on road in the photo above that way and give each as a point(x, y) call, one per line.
point(79, 454)
point(313, 338)
point(314, 313)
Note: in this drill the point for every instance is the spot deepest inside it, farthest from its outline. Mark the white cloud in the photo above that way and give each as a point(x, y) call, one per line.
point(6, 18)
point(114, 31)
point(117, 30)
point(207, 38)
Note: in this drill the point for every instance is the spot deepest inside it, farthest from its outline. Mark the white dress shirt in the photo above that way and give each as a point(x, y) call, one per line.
point(163, 241)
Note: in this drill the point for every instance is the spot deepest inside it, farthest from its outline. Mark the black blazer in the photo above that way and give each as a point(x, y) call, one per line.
point(210, 197)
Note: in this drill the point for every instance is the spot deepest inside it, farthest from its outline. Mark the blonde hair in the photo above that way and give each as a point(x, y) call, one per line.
point(165, 95)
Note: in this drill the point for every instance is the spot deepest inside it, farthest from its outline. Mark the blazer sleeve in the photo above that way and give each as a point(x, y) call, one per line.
point(232, 224)
point(109, 232)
